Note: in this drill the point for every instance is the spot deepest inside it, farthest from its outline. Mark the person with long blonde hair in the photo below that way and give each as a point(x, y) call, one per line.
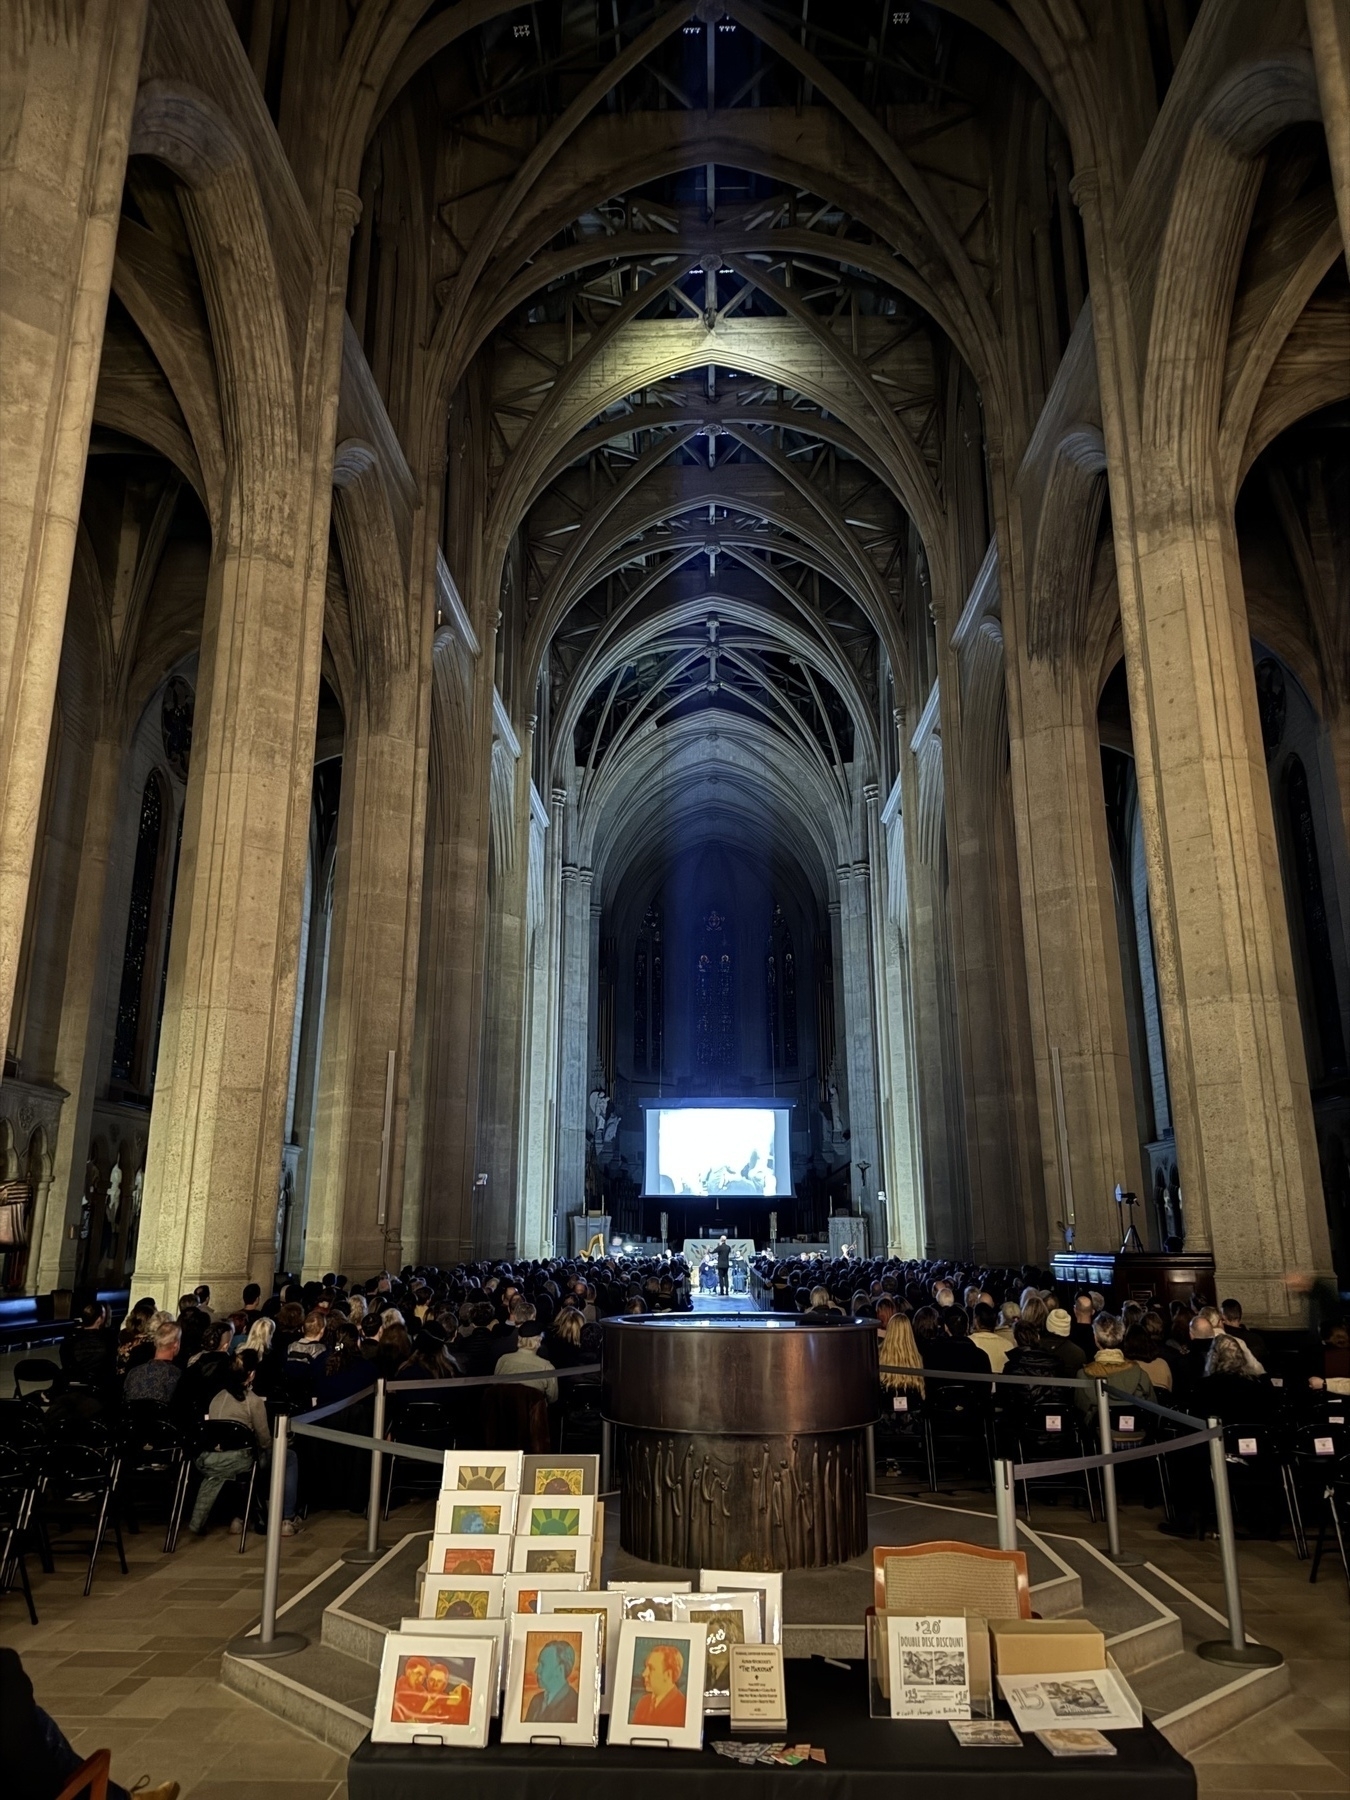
point(899, 1350)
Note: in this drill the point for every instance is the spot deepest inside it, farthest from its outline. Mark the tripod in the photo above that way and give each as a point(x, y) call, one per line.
point(1131, 1239)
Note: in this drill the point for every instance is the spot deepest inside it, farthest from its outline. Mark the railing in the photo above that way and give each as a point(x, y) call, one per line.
point(1203, 1431)
point(270, 1642)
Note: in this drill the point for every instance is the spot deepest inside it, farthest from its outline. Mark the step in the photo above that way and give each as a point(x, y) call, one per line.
point(1152, 1624)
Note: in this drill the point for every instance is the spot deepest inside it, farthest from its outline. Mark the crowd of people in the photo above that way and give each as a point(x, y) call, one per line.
point(312, 1343)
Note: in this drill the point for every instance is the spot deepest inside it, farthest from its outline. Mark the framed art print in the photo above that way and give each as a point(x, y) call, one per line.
point(475, 1515)
point(560, 1475)
point(643, 1603)
point(461, 1597)
point(446, 1630)
point(552, 1680)
point(551, 1556)
point(482, 1471)
point(608, 1608)
point(550, 1516)
point(456, 1554)
point(770, 1585)
point(435, 1690)
point(729, 1619)
point(658, 1686)
point(522, 1591)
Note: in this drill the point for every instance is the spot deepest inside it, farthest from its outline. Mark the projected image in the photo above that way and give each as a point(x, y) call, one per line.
point(720, 1150)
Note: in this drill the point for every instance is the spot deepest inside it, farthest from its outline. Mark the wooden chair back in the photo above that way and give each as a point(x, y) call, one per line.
point(90, 1780)
point(951, 1577)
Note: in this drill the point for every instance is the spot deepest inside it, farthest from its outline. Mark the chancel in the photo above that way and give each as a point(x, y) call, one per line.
point(685, 657)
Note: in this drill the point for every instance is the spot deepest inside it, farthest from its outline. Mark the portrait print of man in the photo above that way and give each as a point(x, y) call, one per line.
point(658, 1696)
point(553, 1664)
point(449, 1695)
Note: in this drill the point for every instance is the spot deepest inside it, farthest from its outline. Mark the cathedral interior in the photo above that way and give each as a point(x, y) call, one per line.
point(566, 558)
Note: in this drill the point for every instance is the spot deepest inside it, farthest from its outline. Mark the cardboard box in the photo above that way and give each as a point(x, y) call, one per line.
point(1046, 1646)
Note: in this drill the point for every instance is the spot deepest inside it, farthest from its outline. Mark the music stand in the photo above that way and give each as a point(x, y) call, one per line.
point(1131, 1239)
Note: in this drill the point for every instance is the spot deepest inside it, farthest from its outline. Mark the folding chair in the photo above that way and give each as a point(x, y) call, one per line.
point(217, 1434)
point(153, 1450)
point(35, 1375)
point(79, 1482)
point(18, 1491)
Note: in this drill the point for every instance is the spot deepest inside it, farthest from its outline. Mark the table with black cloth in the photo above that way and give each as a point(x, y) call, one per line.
point(827, 1706)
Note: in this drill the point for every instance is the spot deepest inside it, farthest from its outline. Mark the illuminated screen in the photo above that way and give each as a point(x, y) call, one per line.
point(713, 1150)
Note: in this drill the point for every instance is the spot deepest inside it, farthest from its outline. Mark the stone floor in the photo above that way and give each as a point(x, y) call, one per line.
point(134, 1666)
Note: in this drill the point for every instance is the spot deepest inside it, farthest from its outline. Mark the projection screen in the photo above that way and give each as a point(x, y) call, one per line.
point(713, 1150)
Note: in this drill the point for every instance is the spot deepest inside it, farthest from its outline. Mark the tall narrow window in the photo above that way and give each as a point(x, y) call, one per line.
point(144, 871)
point(1321, 969)
point(648, 997)
point(714, 984)
point(780, 994)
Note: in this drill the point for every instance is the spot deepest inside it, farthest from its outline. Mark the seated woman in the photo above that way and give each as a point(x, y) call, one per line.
point(238, 1403)
point(899, 1350)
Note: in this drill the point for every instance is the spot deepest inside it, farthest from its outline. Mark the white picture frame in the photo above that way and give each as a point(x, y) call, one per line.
point(551, 1556)
point(608, 1607)
point(467, 1628)
point(657, 1701)
point(475, 1515)
point(461, 1597)
point(743, 1626)
point(476, 1471)
point(552, 1680)
point(769, 1583)
point(548, 1516)
point(517, 1587)
point(456, 1553)
point(435, 1690)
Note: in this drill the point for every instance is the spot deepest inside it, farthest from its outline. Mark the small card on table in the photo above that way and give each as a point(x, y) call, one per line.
point(758, 1694)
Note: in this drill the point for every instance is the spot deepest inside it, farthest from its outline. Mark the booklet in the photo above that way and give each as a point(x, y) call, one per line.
point(929, 1663)
point(758, 1696)
point(1089, 1697)
point(1076, 1743)
point(985, 1734)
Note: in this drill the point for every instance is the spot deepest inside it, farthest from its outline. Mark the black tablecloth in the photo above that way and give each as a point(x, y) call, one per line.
point(827, 1706)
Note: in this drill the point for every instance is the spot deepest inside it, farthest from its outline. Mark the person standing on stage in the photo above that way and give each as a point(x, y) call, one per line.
point(723, 1265)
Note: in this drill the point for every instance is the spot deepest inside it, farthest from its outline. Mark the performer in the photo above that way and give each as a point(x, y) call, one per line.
point(723, 1265)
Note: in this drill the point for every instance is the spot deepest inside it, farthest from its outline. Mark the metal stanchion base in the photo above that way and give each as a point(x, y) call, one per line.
point(285, 1643)
point(362, 1558)
point(1250, 1656)
point(1126, 1559)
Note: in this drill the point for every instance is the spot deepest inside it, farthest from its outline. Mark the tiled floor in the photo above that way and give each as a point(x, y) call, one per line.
point(134, 1666)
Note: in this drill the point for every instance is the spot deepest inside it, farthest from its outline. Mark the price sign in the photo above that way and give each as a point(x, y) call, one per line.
point(1246, 1446)
point(1054, 1421)
point(1325, 1446)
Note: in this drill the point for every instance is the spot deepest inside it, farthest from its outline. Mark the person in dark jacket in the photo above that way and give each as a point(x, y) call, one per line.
point(89, 1355)
point(38, 1759)
point(951, 1348)
point(1030, 1356)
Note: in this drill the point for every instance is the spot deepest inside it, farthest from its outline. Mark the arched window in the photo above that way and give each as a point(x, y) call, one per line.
point(780, 994)
point(140, 912)
point(649, 995)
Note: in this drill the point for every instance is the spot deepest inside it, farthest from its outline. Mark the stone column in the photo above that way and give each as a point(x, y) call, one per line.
point(500, 1095)
point(539, 1049)
point(1246, 1146)
point(860, 1040)
point(93, 967)
point(1089, 1134)
point(67, 90)
point(906, 1230)
point(574, 1044)
point(1329, 28)
point(372, 985)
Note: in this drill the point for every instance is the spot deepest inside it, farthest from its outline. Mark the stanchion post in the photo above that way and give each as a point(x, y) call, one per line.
point(1235, 1648)
point(269, 1641)
point(1108, 1472)
point(376, 1466)
point(1005, 1504)
point(871, 1451)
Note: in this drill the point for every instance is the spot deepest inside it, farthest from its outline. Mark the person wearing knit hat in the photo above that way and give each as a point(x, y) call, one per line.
point(1057, 1340)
